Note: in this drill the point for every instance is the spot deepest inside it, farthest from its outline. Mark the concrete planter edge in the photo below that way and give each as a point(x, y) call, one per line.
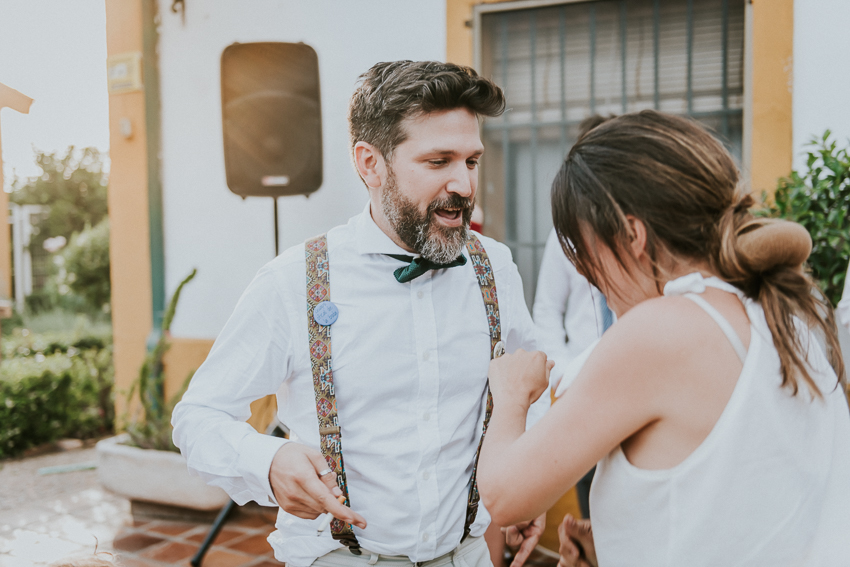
point(153, 476)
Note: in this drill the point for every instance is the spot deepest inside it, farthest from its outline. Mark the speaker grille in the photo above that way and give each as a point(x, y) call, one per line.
point(272, 123)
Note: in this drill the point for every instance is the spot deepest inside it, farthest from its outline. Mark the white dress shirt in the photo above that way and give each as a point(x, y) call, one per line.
point(566, 309)
point(410, 366)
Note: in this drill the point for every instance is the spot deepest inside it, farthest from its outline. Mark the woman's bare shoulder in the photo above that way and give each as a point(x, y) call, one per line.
point(661, 323)
point(648, 344)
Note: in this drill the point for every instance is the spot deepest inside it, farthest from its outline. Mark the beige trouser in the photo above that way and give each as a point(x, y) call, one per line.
point(471, 553)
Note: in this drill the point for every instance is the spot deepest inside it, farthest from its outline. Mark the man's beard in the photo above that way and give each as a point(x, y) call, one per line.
point(440, 244)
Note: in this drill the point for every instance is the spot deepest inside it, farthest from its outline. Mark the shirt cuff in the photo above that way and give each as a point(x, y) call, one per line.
point(257, 453)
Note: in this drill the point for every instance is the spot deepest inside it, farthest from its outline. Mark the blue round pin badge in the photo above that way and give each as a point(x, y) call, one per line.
point(325, 313)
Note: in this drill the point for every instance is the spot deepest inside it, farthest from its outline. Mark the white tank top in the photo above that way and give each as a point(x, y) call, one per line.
point(770, 485)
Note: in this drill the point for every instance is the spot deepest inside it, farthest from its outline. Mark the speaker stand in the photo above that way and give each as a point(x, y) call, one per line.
point(276, 240)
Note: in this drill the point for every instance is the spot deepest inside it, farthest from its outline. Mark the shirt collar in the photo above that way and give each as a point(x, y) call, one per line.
point(371, 239)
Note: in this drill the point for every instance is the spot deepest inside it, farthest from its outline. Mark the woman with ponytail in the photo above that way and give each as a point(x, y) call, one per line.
point(715, 405)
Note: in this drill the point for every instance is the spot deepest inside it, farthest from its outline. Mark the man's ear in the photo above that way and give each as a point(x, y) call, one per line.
point(637, 236)
point(370, 164)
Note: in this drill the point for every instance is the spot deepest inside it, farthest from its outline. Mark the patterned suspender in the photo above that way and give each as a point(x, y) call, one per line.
point(487, 283)
point(318, 290)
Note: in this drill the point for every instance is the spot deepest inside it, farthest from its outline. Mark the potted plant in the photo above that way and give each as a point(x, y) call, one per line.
point(143, 463)
point(818, 198)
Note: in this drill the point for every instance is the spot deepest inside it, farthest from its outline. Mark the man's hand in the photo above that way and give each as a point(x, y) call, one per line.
point(525, 535)
point(576, 549)
point(300, 491)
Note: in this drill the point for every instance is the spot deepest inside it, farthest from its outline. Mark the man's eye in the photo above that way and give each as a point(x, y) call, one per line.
point(437, 162)
point(472, 163)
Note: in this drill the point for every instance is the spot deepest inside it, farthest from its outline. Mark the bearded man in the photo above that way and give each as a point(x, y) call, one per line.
point(386, 418)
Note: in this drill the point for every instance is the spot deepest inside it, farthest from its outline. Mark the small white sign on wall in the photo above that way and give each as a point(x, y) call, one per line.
point(124, 72)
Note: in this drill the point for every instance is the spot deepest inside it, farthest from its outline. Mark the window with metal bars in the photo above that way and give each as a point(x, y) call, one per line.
point(560, 64)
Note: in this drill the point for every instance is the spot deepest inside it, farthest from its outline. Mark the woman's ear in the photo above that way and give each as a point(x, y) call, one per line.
point(637, 235)
point(370, 164)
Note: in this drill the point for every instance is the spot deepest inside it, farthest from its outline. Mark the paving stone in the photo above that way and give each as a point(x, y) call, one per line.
point(223, 536)
point(45, 518)
point(136, 542)
point(170, 528)
point(249, 521)
point(172, 552)
point(256, 544)
point(125, 561)
point(222, 558)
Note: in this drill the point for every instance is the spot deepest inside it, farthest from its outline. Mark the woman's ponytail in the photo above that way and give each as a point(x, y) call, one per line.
point(764, 258)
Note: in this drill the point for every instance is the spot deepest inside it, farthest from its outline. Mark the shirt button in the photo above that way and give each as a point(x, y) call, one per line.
point(426, 475)
point(424, 537)
point(420, 294)
point(426, 356)
point(426, 416)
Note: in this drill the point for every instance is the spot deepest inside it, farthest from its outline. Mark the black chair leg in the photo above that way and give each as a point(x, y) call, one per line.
point(216, 527)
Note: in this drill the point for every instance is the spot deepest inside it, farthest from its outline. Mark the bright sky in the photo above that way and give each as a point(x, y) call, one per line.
point(53, 51)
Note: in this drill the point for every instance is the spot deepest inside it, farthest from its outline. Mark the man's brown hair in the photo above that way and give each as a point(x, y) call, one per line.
point(390, 92)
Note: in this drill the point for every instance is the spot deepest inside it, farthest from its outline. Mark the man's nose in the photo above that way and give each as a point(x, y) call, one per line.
point(461, 182)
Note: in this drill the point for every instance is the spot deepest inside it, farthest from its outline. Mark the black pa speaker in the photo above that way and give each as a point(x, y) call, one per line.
point(271, 119)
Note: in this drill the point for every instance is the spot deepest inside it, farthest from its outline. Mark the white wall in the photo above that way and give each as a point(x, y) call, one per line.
point(208, 227)
point(821, 72)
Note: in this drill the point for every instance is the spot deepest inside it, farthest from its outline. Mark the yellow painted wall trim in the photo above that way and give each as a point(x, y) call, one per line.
point(459, 33)
point(9, 98)
point(129, 251)
point(771, 152)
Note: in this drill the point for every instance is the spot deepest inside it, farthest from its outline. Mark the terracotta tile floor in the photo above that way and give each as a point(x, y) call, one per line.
point(48, 518)
point(45, 518)
point(157, 543)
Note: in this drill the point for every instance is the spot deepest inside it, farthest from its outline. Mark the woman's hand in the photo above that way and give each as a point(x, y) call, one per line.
point(521, 376)
point(576, 549)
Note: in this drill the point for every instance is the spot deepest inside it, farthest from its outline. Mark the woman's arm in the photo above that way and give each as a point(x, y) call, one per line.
point(522, 474)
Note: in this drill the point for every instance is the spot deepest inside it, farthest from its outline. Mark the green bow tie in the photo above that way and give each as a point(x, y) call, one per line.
point(419, 266)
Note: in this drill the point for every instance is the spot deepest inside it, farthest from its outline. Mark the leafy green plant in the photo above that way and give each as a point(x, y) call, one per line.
point(50, 390)
point(84, 266)
point(72, 184)
point(73, 188)
point(153, 431)
point(819, 199)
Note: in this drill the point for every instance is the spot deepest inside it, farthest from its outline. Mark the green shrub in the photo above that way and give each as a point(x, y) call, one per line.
point(152, 430)
point(53, 386)
point(84, 269)
point(819, 199)
point(9, 324)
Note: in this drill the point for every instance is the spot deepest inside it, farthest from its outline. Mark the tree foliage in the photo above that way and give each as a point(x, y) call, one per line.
point(73, 185)
point(85, 265)
point(819, 199)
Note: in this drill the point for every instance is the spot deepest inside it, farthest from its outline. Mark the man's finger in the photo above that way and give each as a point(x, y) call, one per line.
point(528, 545)
point(318, 490)
point(513, 536)
point(321, 465)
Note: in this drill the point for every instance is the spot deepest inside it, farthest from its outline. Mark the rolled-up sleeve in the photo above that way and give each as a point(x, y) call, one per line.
point(250, 359)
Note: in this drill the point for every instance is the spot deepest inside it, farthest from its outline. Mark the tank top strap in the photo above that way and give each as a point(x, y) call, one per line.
point(724, 325)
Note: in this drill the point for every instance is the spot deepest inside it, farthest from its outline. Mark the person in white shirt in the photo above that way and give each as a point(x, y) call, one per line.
point(570, 315)
point(569, 312)
point(717, 418)
point(384, 354)
point(567, 309)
